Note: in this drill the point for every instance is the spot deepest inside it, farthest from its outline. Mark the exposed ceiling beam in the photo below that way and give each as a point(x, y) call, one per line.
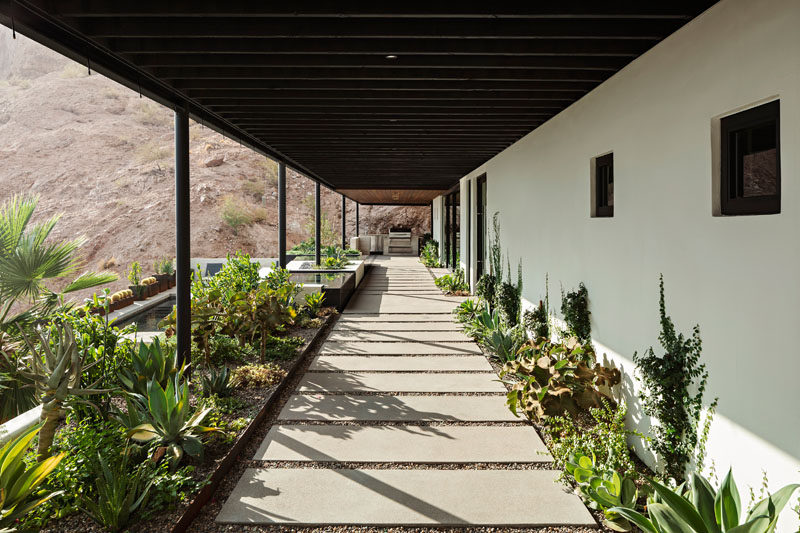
point(373, 28)
point(676, 9)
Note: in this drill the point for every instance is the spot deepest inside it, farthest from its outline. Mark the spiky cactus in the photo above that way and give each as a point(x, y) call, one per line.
point(55, 366)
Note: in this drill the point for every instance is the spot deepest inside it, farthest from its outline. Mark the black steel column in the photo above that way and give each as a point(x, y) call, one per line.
point(358, 233)
point(317, 221)
point(282, 215)
point(183, 327)
point(344, 224)
point(454, 245)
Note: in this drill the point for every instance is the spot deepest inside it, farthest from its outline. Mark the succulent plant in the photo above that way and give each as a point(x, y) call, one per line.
point(314, 302)
point(135, 273)
point(551, 378)
point(603, 490)
point(171, 421)
point(704, 510)
point(217, 382)
point(56, 367)
point(150, 363)
point(20, 490)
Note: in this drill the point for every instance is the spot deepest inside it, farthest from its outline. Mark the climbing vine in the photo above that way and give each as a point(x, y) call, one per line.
point(667, 394)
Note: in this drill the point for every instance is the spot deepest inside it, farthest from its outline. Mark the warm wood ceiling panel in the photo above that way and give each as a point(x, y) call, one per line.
point(394, 95)
point(391, 196)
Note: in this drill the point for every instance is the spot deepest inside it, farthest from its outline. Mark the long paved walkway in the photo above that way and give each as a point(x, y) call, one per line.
point(401, 421)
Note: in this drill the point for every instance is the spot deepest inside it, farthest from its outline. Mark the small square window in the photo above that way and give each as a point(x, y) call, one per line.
point(750, 157)
point(604, 186)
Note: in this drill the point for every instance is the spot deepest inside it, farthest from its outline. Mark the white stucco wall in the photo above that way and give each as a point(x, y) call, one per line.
point(735, 276)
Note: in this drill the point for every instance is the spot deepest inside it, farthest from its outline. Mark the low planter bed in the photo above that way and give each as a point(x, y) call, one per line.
point(251, 405)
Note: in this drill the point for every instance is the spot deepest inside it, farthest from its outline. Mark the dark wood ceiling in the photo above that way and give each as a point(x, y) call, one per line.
point(360, 95)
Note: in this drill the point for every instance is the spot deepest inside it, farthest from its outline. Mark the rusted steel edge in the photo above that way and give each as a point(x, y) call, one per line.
point(224, 466)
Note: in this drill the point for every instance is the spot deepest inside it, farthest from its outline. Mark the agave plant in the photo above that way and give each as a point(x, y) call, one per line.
point(151, 362)
point(467, 310)
point(56, 368)
point(217, 382)
point(603, 490)
point(171, 421)
point(704, 510)
point(20, 490)
point(120, 492)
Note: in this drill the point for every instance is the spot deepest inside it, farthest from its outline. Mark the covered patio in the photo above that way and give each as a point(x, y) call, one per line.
point(498, 114)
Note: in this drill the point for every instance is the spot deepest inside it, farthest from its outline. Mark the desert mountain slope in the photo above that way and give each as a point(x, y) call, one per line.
point(102, 156)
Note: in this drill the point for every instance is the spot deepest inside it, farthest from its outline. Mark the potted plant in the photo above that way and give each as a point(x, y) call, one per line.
point(162, 269)
point(169, 268)
point(135, 277)
point(151, 285)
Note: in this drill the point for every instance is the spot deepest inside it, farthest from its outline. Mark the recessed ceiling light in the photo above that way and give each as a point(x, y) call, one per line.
point(391, 56)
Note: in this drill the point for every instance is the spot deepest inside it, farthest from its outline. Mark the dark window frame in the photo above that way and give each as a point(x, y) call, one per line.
point(730, 171)
point(601, 207)
point(480, 230)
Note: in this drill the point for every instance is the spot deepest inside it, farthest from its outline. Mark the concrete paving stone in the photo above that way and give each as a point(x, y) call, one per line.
point(343, 326)
point(413, 444)
point(356, 318)
point(399, 382)
point(421, 292)
point(402, 303)
point(396, 497)
point(399, 348)
point(397, 408)
point(334, 363)
point(399, 336)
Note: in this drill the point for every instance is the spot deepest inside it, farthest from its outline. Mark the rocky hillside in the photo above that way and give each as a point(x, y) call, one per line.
point(101, 156)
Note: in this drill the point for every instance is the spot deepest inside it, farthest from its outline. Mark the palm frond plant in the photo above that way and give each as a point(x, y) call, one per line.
point(29, 258)
point(20, 486)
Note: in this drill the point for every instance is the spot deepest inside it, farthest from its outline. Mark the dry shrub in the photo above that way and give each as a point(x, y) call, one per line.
point(74, 70)
point(254, 187)
point(108, 264)
point(264, 375)
point(152, 114)
point(151, 152)
point(258, 213)
point(22, 83)
point(235, 213)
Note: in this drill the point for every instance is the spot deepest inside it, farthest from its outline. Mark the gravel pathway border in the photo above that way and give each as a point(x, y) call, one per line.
point(191, 512)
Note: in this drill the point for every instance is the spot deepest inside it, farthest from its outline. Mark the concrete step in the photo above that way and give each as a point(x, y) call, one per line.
point(396, 497)
point(399, 336)
point(343, 326)
point(399, 382)
point(359, 318)
point(413, 444)
point(397, 408)
point(399, 348)
point(329, 363)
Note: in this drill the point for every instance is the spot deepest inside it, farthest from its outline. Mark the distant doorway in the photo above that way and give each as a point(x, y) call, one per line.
point(480, 230)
